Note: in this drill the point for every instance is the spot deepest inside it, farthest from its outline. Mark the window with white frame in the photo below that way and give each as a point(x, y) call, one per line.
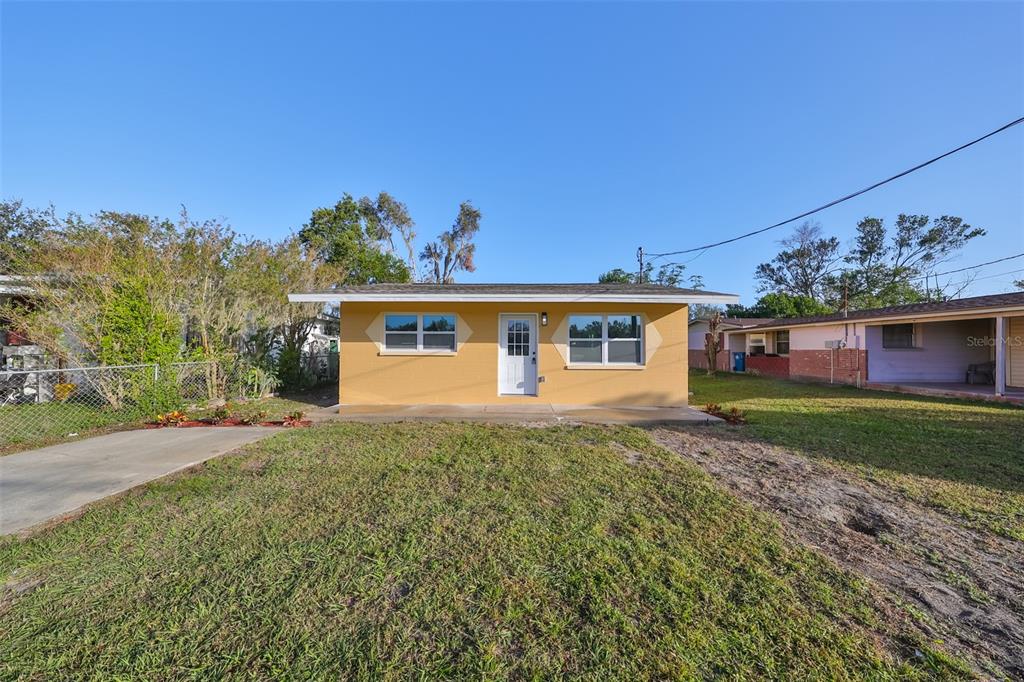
point(605, 339)
point(782, 342)
point(429, 332)
point(755, 344)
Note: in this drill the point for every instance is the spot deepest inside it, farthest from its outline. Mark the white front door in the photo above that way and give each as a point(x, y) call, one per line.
point(517, 355)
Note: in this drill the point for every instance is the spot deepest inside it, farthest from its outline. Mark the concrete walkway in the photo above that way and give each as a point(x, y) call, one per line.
point(513, 414)
point(40, 485)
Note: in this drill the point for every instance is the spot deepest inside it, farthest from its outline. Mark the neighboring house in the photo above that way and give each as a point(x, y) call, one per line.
point(969, 346)
point(16, 352)
point(571, 344)
point(323, 335)
point(698, 337)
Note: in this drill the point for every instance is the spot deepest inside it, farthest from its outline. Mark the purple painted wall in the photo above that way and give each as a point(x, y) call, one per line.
point(943, 355)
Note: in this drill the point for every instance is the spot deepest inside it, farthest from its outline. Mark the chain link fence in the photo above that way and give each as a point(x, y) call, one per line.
point(39, 405)
point(42, 404)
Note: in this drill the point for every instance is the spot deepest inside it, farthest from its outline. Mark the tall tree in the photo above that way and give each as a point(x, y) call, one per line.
point(879, 269)
point(669, 275)
point(711, 340)
point(358, 238)
point(454, 249)
point(385, 216)
point(781, 305)
point(20, 229)
point(804, 266)
point(890, 270)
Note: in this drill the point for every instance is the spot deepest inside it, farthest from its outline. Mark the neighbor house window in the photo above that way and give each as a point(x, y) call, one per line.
point(430, 332)
point(606, 339)
point(782, 342)
point(898, 336)
point(755, 344)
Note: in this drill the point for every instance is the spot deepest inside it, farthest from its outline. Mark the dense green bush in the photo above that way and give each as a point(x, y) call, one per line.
point(151, 396)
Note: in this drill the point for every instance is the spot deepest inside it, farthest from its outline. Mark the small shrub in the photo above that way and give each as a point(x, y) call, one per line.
point(290, 371)
point(149, 396)
point(293, 418)
point(219, 414)
point(734, 415)
point(172, 418)
point(260, 382)
point(254, 418)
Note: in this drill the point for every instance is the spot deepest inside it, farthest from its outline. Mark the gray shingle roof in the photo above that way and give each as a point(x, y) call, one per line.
point(561, 289)
point(958, 305)
point(740, 321)
point(621, 293)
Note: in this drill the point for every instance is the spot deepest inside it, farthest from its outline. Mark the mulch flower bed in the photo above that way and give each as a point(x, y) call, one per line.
point(193, 423)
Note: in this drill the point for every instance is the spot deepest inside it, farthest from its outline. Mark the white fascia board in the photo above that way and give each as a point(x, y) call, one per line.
point(511, 298)
point(942, 316)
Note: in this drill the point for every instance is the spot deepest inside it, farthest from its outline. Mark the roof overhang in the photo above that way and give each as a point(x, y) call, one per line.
point(361, 297)
point(940, 316)
point(723, 324)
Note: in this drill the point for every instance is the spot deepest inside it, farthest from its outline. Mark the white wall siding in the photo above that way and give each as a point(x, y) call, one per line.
point(696, 334)
point(814, 338)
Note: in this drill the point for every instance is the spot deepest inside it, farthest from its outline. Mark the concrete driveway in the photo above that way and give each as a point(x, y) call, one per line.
point(39, 485)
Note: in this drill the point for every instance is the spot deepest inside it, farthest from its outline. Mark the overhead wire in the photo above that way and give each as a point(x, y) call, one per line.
point(847, 197)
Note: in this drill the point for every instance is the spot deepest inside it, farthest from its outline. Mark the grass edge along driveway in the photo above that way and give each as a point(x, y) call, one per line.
point(443, 550)
point(962, 457)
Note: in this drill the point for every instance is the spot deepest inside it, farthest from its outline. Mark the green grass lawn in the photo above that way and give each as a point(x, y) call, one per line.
point(34, 425)
point(441, 550)
point(962, 456)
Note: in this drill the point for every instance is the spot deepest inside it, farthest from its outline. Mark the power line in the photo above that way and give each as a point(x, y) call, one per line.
point(969, 267)
point(845, 198)
point(976, 279)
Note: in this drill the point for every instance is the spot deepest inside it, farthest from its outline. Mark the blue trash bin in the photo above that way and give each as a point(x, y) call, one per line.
point(739, 362)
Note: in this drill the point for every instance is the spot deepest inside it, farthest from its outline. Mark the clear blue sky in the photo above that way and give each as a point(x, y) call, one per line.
point(580, 130)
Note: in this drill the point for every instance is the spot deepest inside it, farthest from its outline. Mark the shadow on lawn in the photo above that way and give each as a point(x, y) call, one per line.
point(325, 396)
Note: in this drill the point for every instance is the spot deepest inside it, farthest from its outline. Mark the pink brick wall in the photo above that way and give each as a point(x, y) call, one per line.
point(813, 365)
point(769, 365)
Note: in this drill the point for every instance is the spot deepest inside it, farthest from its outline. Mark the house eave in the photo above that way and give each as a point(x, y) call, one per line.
point(683, 299)
point(889, 319)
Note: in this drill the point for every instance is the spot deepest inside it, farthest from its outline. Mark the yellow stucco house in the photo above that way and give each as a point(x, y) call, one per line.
point(484, 344)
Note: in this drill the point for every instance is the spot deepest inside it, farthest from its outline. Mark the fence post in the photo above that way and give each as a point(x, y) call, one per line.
point(156, 373)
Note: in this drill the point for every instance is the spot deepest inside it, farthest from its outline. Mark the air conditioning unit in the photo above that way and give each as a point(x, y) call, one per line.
point(837, 344)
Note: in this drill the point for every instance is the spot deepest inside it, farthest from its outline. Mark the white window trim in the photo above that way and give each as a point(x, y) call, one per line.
point(419, 350)
point(789, 342)
point(605, 364)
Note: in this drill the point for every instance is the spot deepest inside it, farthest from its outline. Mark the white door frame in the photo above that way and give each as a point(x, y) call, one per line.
point(534, 350)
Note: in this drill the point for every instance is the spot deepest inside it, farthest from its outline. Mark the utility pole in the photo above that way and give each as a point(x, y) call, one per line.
point(846, 295)
point(640, 259)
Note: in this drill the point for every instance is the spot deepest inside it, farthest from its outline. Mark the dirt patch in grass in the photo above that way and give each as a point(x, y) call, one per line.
point(964, 585)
